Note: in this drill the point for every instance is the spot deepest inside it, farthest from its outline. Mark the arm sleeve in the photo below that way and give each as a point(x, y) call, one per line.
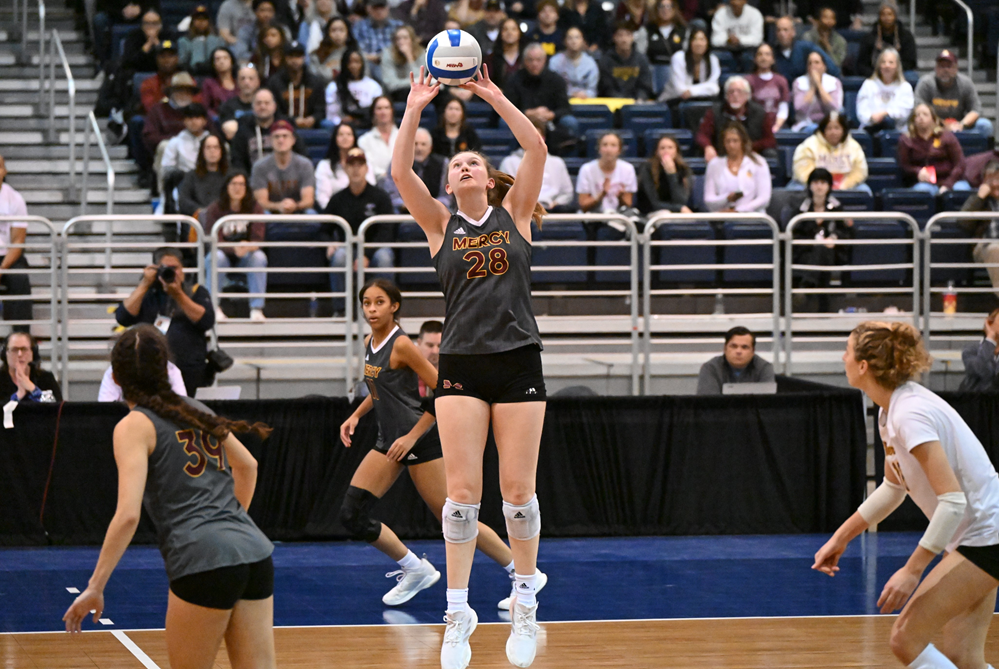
point(679, 191)
point(761, 175)
point(709, 87)
point(647, 187)
point(584, 182)
point(865, 103)
point(324, 184)
point(109, 392)
point(719, 28)
point(590, 76)
point(901, 105)
point(766, 372)
point(708, 381)
point(629, 182)
point(124, 318)
point(607, 85)
point(713, 199)
point(956, 156)
point(645, 91)
point(563, 183)
point(915, 428)
point(980, 363)
point(755, 36)
point(803, 162)
point(973, 103)
point(706, 130)
point(767, 139)
point(207, 321)
point(187, 194)
point(858, 166)
point(905, 163)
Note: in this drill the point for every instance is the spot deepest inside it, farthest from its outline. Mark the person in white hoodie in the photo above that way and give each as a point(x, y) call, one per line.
point(886, 99)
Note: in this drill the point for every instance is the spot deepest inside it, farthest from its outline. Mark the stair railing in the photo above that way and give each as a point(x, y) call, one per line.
point(41, 49)
point(91, 127)
point(971, 35)
point(56, 48)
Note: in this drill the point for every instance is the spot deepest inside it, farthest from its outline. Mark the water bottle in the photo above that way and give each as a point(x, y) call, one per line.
point(950, 300)
point(313, 305)
point(719, 305)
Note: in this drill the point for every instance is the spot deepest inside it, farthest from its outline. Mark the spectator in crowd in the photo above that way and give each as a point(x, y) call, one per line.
point(182, 311)
point(505, 58)
point(953, 96)
point(152, 89)
point(331, 171)
point(269, 56)
point(247, 37)
point(608, 183)
point(403, 57)
point(576, 66)
point(886, 99)
point(181, 152)
point(22, 378)
point(141, 44)
point(975, 164)
point(739, 179)
point(453, 134)
point(659, 39)
point(981, 360)
point(625, 73)
point(824, 35)
point(541, 93)
point(349, 97)
point(374, 32)
point(635, 13)
point(930, 157)
point(986, 198)
point(694, 72)
point(202, 185)
point(313, 29)
point(820, 200)
point(887, 33)
point(356, 203)
point(252, 141)
point(547, 32)
point(108, 14)
point(324, 61)
point(166, 119)
point(770, 89)
point(738, 364)
point(232, 17)
point(300, 95)
point(283, 182)
point(220, 85)
point(230, 111)
point(379, 142)
point(738, 28)
point(831, 147)
point(427, 17)
point(664, 180)
point(737, 107)
point(235, 198)
point(486, 31)
point(815, 95)
point(197, 45)
point(467, 12)
point(791, 54)
point(429, 343)
point(111, 391)
point(13, 232)
point(590, 17)
point(431, 167)
point(557, 195)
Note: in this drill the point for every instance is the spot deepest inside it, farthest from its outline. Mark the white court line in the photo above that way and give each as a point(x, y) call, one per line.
point(134, 650)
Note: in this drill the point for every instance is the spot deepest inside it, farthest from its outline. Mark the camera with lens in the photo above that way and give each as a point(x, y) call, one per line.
point(167, 273)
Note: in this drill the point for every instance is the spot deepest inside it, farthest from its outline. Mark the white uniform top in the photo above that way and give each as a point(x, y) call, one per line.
point(917, 416)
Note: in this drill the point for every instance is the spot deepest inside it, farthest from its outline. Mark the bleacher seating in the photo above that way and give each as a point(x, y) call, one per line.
point(879, 254)
point(691, 113)
point(887, 143)
point(685, 255)
point(972, 142)
point(882, 173)
point(612, 256)
point(685, 138)
point(740, 255)
point(865, 140)
point(916, 203)
point(414, 257)
point(558, 255)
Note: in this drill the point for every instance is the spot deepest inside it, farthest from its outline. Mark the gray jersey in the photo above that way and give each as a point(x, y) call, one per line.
point(395, 393)
point(200, 525)
point(485, 271)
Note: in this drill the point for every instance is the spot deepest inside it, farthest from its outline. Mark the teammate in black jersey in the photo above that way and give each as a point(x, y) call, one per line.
point(490, 361)
point(407, 437)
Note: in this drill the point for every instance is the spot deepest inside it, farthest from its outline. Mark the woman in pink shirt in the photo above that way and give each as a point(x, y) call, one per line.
point(739, 180)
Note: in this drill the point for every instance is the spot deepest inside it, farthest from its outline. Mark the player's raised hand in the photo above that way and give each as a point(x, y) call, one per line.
point(89, 600)
point(483, 86)
point(421, 90)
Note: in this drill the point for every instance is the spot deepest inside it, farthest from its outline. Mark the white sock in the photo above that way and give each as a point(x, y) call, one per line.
point(526, 587)
point(509, 568)
point(931, 658)
point(409, 562)
point(457, 600)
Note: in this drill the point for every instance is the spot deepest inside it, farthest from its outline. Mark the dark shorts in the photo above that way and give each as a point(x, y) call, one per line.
point(426, 449)
point(221, 588)
point(985, 558)
point(494, 378)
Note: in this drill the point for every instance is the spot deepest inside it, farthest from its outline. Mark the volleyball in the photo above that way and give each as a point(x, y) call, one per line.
point(453, 57)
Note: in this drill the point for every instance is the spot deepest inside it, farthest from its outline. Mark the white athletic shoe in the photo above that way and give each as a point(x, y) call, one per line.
point(456, 653)
point(257, 315)
point(522, 645)
point(542, 579)
point(410, 583)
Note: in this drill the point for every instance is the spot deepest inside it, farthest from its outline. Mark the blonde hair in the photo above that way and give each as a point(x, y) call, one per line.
point(894, 352)
point(937, 123)
point(504, 182)
point(899, 75)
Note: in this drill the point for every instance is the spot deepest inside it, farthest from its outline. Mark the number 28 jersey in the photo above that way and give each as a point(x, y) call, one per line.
point(485, 271)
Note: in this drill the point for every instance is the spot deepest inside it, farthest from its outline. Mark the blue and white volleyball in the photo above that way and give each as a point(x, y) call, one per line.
point(453, 57)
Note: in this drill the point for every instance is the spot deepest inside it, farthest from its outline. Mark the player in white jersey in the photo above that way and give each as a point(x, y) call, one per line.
point(932, 455)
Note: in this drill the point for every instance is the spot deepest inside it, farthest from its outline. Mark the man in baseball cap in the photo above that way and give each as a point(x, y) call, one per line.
point(284, 182)
point(953, 96)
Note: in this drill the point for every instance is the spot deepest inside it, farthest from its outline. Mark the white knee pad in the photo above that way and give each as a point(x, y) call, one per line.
point(460, 522)
point(523, 522)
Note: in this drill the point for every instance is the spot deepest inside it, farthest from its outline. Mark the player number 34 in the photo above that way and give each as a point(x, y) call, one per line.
point(498, 264)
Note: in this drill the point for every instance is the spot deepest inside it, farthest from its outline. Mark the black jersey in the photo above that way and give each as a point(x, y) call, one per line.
point(394, 392)
point(485, 270)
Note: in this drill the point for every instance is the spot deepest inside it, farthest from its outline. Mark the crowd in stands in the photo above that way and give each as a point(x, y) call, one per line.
point(290, 107)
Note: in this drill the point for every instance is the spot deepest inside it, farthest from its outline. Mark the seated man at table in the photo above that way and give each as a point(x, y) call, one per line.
point(738, 364)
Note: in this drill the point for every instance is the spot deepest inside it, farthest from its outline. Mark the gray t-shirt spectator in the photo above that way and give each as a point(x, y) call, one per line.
point(956, 102)
point(233, 15)
point(716, 372)
point(283, 183)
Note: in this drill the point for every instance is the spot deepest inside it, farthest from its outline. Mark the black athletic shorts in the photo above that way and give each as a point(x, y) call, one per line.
point(426, 449)
point(221, 588)
point(494, 378)
point(985, 558)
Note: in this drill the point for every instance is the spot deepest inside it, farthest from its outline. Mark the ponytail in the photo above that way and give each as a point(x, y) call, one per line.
point(894, 352)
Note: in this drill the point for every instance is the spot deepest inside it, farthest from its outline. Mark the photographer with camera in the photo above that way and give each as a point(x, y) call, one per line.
point(182, 312)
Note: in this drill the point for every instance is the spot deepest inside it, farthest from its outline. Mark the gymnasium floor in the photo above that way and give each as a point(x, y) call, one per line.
point(638, 602)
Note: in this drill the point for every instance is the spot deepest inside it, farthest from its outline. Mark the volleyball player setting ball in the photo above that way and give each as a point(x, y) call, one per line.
point(198, 481)
point(932, 455)
point(407, 438)
point(490, 360)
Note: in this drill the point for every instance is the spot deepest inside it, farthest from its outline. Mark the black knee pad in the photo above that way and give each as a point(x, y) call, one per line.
point(355, 515)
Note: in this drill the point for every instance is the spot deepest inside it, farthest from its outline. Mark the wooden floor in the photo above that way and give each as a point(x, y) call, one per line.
point(732, 643)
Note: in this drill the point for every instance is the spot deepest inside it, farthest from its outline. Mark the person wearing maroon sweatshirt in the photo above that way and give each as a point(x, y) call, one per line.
point(930, 157)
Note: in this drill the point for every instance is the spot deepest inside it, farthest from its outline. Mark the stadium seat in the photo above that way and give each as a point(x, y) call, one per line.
point(138, 78)
point(478, 122)
point(428, 119)
point(685, 255)
point(778, 178)
point(629, 143)
point(691, 113)
point(600, 112)
point(786, 154)
point(414, 257)
point(558, 255)
point(118, 34)
point(912, 78)
point(855, 200)
point(972, 142)
point(918, 204)
point(739, 255)
point(865, 141)
point(684, 138)
point(613, 256)
point(315, 136)
point(496, 141)
point(726, 60)
point(852, 84)
point(850, 107)
point(879, 254)
point(887, 143)
point(882, 173)
point(598, 123)
point(697, 194)
point(572, 163)
point(478, 108)
point(950, 253)
point(639, 125)
point(954, 200)
point(791, 138)
point(659, 113)
point(315, 153)
point(697, 165)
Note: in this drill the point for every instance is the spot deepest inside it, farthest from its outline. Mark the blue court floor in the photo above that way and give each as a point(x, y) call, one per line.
point(590, 579)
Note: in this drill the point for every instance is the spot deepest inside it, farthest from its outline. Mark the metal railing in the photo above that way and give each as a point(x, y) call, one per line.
point(55, 47)
point(971, 36)
point(41, 51)
point(91, 127)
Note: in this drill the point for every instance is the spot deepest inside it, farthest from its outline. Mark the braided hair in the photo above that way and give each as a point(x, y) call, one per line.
point(139, 364)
